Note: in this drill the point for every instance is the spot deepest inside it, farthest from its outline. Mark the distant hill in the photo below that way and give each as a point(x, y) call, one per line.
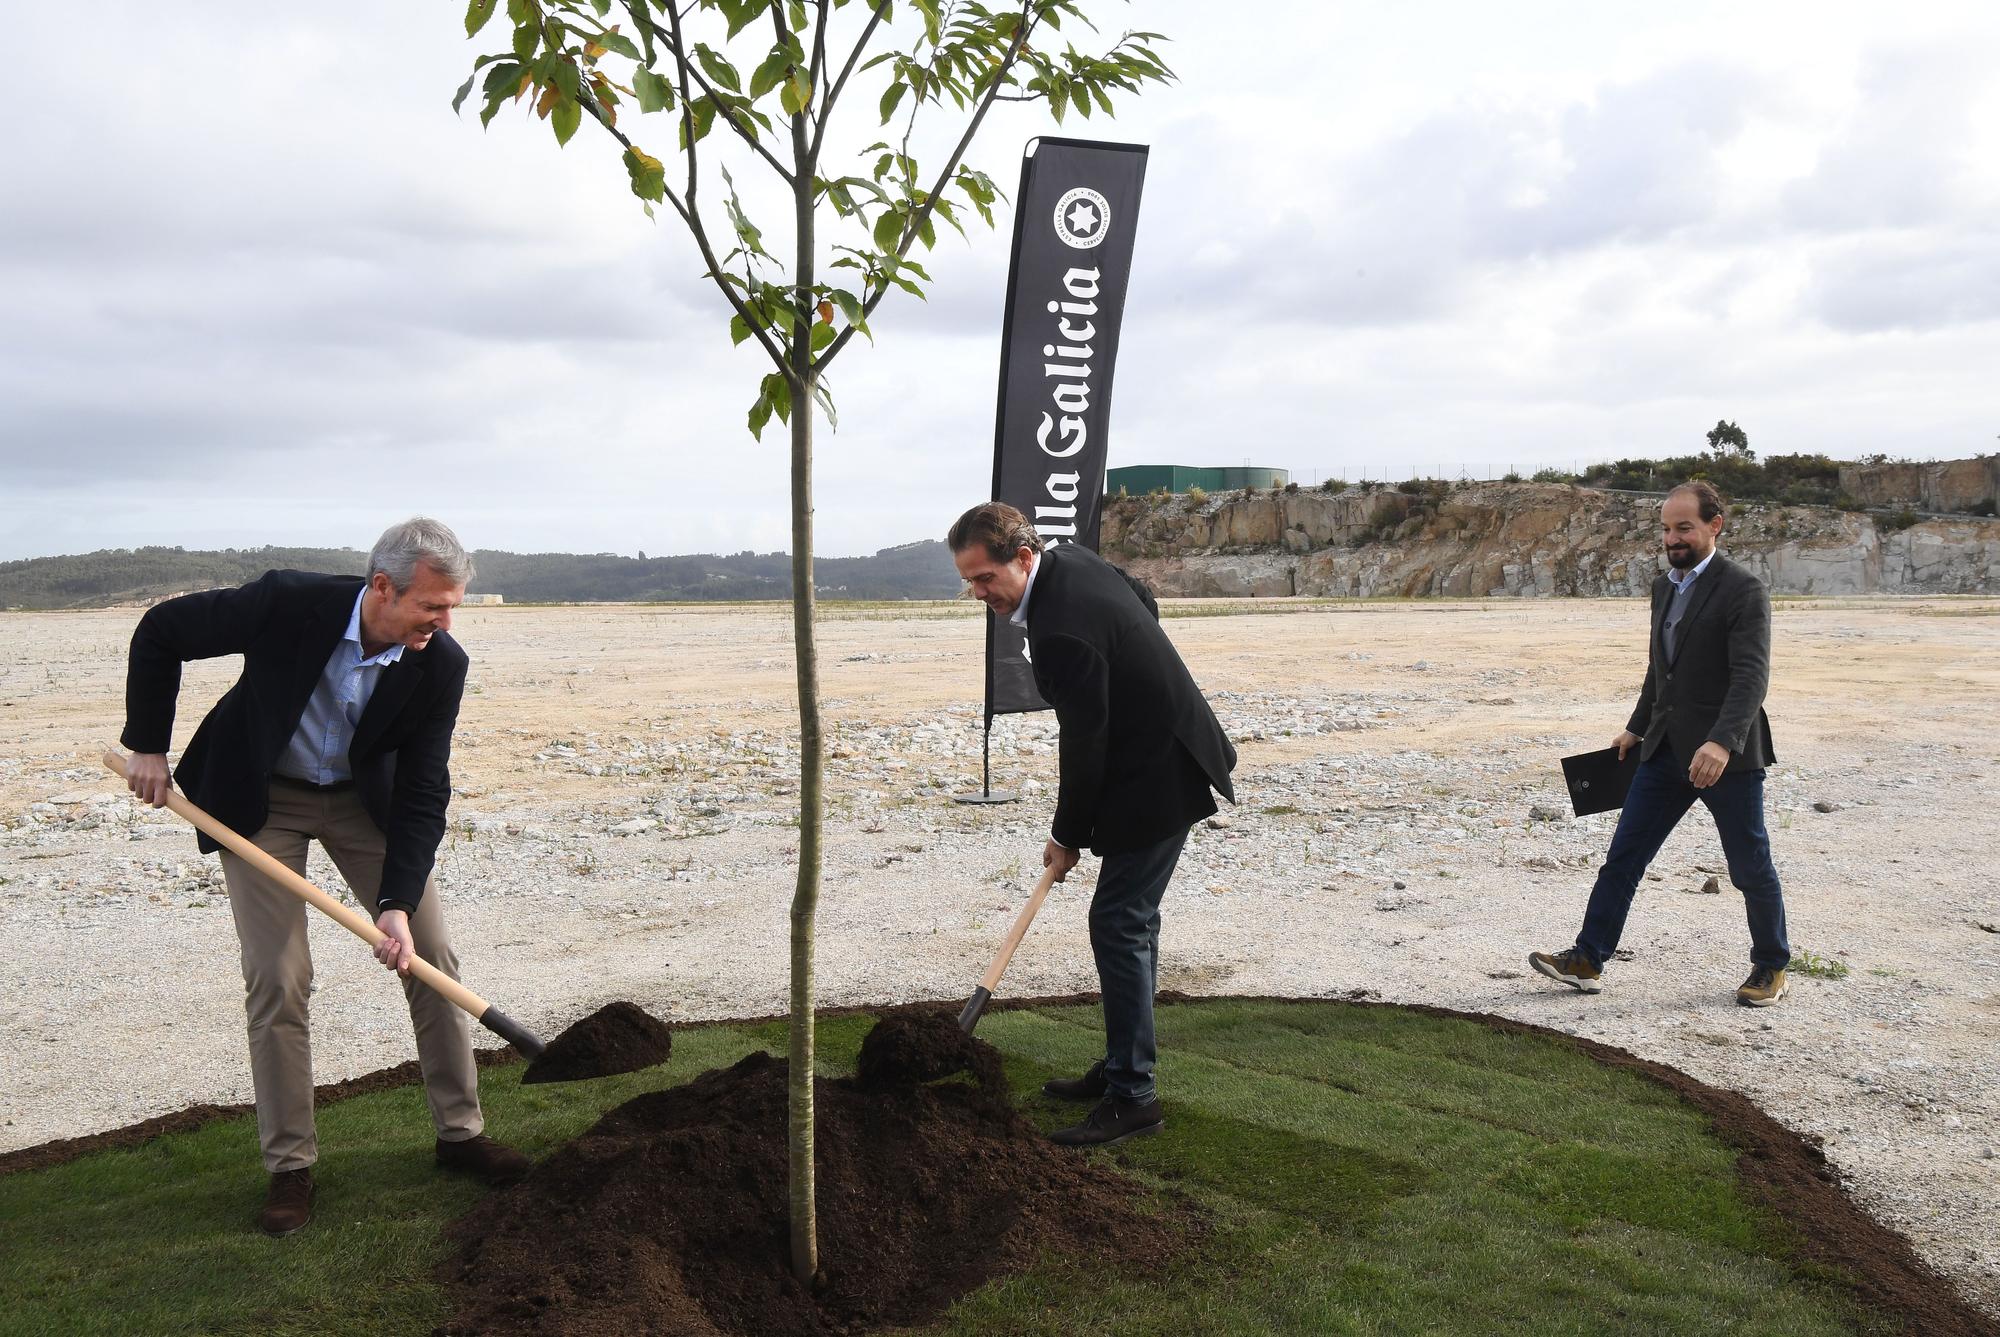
point(141, 575)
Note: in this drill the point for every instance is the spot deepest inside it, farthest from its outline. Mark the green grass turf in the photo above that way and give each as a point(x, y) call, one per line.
point(1365, 1171)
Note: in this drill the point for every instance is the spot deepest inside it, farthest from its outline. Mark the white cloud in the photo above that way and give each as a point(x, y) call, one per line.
point(264, 287)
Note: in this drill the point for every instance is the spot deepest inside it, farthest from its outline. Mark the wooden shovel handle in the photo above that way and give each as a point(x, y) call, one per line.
point(348, 918)
point(991, 979)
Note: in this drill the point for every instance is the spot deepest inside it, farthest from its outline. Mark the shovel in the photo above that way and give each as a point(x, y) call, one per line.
point(487, 1015)
point(981, 996)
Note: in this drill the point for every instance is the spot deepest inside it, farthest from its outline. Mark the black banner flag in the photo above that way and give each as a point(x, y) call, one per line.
point(1074, 220)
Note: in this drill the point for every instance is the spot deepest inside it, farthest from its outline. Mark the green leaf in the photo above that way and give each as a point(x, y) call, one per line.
point(797, 91)
point(776, 309)
point(850, 307)
point(739, 329)
point(1081, 97)
point(502, 79)
point(654, 93)
point(563, 75)
point(649, 176)
point(824, 394)
point(889, 229)
point(463, 89)
point(774, 395)
point(619, 42)
point(822, 335)
point(890, 97)
point(602, 7)
point(702, 110)
point(742, 13)
point(795, 11)
point(526, 38)
point(771, 73)
point(476, 15)
point(719, 70)
point(566, 116)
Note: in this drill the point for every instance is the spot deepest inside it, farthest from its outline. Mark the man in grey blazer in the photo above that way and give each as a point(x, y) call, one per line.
point(1702, 734)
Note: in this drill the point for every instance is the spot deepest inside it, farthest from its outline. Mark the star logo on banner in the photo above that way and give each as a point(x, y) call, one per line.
point(1082, 218)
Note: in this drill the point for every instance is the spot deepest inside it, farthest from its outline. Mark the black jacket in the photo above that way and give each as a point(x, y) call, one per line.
point(1712, 689)
point(285, 624)
point(1140, 748)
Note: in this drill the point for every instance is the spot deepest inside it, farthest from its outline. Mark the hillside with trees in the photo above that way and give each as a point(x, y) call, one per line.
point(143, 575)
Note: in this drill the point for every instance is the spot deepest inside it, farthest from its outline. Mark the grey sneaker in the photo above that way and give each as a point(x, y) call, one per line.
point(1765, 986)
point(1571, 967)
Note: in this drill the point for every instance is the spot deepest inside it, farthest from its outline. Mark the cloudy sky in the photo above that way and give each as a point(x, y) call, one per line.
point(261, 286)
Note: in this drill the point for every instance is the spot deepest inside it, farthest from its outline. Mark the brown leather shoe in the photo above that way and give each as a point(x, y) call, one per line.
point(484, 1159)
point(288, 1203)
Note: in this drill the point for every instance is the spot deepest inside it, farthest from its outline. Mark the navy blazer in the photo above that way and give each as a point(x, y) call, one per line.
point(1711, 689)
point(1140, 749)
point(286, 624)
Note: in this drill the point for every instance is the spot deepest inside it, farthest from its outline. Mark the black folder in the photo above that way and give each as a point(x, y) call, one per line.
point(1598, 780)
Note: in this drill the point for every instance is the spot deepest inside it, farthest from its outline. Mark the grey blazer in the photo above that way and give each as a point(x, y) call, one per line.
point(1712, 688)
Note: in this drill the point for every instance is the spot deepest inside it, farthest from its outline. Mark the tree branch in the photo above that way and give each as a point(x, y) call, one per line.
point(923, 214)
point(691, 216)
point(745, 131)
point(875, 13)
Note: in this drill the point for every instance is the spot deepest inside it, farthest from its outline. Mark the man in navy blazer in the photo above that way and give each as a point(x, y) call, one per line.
point(1702, 736)
point(1140, 752)
point(339, 730)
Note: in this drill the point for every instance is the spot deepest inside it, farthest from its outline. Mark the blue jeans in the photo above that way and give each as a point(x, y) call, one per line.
point(1125, 939)
point(1660, 796)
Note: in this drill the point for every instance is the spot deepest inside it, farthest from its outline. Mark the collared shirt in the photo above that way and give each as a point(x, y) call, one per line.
point(1677, 605)
point(1020, 617)
point(318, 750)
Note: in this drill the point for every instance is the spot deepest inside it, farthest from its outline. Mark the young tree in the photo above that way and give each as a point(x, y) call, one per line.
point(1727, 437)
point(772, 75)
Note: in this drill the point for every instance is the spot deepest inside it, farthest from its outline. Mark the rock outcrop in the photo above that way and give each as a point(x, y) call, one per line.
point(1518, 539)
point(1940, 485)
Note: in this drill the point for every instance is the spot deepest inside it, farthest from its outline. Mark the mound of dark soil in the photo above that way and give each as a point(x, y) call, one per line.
point(618, 1037)
point(907, 1048)
point(670, 1215)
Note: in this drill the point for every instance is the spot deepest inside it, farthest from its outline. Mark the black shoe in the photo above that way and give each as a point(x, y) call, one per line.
point(1090, 1086)
point(1112, 1122)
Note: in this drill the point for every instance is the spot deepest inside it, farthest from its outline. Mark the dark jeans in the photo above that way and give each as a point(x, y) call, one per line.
point(1660, 796)
point(1125, 939)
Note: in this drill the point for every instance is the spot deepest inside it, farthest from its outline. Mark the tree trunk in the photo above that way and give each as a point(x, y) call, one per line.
point(805, 654)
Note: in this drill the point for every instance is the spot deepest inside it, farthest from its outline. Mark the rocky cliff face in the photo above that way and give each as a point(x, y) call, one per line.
point(1520, 539)
point(1941, 485)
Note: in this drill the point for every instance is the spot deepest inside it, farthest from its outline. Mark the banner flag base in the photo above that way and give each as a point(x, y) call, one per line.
point(986, 794)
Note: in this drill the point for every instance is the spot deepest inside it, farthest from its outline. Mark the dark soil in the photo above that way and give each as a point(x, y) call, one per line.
point(907, 1048)
point(618, 1037)
point(670, 1215)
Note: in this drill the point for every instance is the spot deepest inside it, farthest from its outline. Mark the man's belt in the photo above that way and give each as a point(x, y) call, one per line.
point(290, 782)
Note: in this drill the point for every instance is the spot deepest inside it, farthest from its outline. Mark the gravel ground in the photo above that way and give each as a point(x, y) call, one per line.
point(625, 829)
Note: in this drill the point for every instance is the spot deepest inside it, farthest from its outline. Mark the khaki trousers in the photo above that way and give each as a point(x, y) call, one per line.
point(277, 974)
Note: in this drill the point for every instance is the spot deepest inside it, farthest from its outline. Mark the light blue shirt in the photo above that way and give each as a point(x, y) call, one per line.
point(1020, 617)
point(1677, 606)
point(318, 750)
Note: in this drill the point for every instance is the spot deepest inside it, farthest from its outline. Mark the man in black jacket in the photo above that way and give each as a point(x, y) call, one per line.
point(338, 730)
point(1702, 734)
point(1140, 751)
